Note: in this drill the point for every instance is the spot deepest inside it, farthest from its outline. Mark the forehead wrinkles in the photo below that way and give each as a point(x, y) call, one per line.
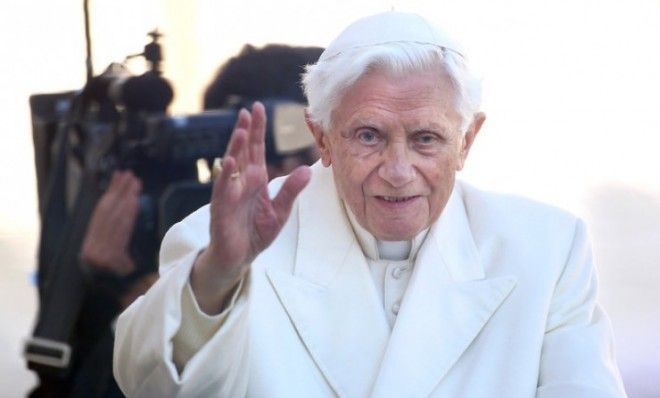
point(381, 94)
point(402, 90)
point(392, 113)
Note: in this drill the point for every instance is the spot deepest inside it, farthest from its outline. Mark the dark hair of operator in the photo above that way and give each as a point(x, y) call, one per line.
point(271, 72)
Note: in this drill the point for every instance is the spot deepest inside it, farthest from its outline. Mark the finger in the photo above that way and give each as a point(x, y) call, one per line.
point(128, 213)
point(124, 191)
point(114, 179)
point(112, 189)
point(223, 185)
point(243, 119)
point(241, 127)
point(292, 186)
point(132, 188)
point(136, 187)
point(122, 197)
point(127, 183)
point(238, 148)
point(258, 134)
point(118, 219)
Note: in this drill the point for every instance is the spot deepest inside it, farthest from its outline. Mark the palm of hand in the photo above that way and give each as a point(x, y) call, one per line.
point(244, 219)
point(106, 241)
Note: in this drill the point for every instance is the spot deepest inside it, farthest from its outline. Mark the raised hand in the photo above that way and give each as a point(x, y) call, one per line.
point(244, 220)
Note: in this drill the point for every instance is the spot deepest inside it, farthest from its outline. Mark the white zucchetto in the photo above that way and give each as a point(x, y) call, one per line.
point(389, 27)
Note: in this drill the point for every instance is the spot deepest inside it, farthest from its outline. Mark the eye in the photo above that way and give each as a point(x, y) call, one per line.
point(426, 139)
point(367, 137)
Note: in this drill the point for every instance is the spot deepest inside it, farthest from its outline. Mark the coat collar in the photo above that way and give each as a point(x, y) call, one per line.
point(331, 298)
point(447, 303)
point(333, 303)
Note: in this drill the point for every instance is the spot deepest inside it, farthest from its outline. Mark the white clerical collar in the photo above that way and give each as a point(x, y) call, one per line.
point(376, 249)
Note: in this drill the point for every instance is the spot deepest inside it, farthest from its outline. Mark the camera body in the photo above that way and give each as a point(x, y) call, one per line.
point(120, 122)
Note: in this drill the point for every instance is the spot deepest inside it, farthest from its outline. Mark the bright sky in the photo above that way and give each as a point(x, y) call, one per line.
point(570, 87)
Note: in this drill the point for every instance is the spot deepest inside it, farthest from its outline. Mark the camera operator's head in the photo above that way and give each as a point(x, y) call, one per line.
point(272, 72)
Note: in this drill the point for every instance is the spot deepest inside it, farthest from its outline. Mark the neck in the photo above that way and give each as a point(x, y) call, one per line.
point(376, 249)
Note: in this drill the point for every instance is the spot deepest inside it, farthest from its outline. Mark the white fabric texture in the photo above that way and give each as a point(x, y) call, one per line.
point(390, 279)
point(197, 327)
point(501, 302)
point(390, 263)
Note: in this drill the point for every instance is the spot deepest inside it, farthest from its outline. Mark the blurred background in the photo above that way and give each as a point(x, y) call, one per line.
point(571, 93)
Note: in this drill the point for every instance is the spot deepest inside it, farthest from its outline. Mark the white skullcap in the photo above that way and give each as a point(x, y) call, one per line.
point(389, 27)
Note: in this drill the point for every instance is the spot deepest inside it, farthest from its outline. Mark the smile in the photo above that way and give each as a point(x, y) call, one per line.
point(396, 199)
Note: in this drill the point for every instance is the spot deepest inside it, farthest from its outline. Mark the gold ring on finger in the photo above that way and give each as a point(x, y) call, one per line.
point(217, 168)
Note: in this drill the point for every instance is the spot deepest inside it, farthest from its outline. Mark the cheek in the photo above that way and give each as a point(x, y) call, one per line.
point(352, 178)
point(440, 177)
point(352, 160)
point(352, 182)
point(364, 152)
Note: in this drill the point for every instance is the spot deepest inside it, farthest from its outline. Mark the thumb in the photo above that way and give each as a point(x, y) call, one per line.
point(289, 191)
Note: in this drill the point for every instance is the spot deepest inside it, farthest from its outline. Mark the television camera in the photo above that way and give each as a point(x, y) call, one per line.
point(119, 121)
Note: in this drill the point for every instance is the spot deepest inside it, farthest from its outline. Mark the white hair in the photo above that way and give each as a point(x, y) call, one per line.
point(326, 82)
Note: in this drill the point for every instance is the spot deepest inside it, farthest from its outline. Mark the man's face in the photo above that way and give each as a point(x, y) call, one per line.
point(395, 147)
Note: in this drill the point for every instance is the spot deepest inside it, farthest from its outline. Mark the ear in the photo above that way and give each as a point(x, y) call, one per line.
point(469, 136)
point(321, 139)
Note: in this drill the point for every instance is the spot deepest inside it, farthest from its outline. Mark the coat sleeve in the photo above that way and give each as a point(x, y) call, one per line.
point(143, 353)
point(577, 358)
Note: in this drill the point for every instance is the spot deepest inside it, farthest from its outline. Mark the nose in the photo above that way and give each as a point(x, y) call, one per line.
point(396, 168)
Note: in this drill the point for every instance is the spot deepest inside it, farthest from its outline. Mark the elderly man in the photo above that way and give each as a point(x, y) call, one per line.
point(375, 272)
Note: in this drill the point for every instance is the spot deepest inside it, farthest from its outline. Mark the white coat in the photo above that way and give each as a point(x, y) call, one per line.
point(501, 303)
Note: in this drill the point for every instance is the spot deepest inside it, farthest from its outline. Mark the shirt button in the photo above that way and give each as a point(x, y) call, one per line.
point(396, 307)
point(396, 272)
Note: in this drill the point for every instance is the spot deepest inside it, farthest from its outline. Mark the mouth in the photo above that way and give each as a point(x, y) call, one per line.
point(397, 199)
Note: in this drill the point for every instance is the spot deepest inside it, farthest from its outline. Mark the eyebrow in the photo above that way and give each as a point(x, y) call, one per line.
point(431, 127)
point(365, 121)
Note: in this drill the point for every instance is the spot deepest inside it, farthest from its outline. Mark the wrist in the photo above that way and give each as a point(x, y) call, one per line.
point(211, 284)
